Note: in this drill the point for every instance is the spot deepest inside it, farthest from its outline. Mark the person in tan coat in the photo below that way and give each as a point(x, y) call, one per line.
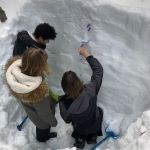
point(25, 79)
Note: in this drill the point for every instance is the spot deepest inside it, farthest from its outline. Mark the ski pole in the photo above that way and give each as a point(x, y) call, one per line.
point(19, 127)
point(109, 134)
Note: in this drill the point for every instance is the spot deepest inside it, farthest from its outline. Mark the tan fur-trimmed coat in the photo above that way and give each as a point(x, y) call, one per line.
point(37, 104)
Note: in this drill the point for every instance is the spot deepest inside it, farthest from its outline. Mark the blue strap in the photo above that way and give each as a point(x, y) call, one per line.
point(100, 142)
point(108, 134)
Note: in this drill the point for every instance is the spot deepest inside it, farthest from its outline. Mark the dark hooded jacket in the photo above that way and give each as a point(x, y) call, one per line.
point(83, 112)
point(24, 41)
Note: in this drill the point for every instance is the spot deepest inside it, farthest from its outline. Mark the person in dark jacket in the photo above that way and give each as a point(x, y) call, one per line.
point(78, 105)
point(25, 79)
point(41, 36)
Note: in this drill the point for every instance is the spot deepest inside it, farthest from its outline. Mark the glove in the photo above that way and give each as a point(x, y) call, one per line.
point(53, 95)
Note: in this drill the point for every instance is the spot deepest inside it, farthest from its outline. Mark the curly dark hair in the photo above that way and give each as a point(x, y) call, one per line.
point(45, 31)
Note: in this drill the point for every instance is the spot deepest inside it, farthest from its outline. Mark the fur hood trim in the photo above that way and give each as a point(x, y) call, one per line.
point(20, 82)
point(26, 88)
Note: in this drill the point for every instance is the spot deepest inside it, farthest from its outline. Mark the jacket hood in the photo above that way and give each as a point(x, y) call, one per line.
point(27, 88)
point(81, 103)
point(27, 38)
point(24, 36)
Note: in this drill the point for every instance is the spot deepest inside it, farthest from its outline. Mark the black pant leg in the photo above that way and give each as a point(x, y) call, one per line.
point(100, 122)
point(42, 135)
point(75, 134)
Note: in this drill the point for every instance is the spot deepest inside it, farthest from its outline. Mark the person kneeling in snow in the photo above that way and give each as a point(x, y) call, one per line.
point(25, 79)
point(78, 105)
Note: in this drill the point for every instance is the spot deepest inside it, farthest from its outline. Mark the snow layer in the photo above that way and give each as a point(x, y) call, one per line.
point(137, 136)
point(120, 38)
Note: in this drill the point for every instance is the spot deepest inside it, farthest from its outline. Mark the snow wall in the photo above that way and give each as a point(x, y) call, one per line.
point(120, 38)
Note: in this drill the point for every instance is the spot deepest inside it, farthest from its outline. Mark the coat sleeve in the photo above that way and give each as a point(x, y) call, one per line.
point(45, 110)
point(64, 114)
point(97, 75)
point(22, 43)
point(23, 38)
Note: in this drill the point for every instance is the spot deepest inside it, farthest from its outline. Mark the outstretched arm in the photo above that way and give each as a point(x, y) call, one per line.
point(96, 67)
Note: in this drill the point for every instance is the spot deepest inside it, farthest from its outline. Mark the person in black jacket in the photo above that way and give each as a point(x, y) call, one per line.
point(41, 36)
point(78, 105)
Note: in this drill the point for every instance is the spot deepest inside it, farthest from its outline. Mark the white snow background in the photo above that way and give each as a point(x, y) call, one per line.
point(120, 39)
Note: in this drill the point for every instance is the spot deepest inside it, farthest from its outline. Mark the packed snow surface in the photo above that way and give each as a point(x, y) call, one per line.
point(119, 39)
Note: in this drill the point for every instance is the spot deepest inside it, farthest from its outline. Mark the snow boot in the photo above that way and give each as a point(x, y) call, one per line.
point(52, 134)
point(79, 143)
point(91, 139)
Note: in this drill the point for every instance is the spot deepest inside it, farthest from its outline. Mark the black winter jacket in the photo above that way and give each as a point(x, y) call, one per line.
point(83, 112)
point(24, 41)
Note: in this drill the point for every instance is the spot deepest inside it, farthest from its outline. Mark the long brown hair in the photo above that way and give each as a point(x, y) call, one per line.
point(71, 84)
point(34, 62)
